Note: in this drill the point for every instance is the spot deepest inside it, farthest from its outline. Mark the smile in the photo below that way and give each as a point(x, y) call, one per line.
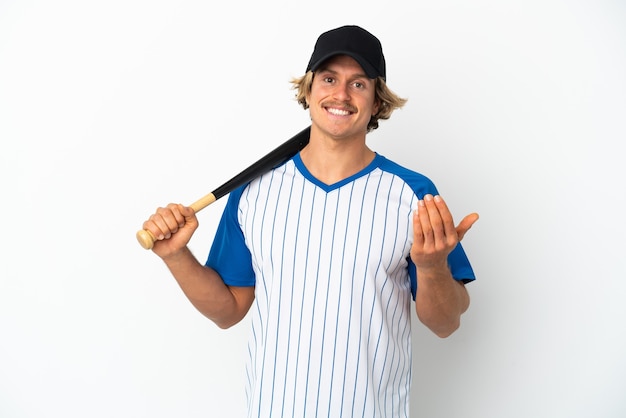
point(338, 112)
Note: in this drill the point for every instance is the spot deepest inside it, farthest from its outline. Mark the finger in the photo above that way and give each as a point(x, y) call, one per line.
point(172, 224)
point(425, 225)
point(466, 224)
point(188, 214)
point(167, 221)
point(446, 217)
point(418, 233)
point(179, 214)
point(156, 225)
point(435, 218)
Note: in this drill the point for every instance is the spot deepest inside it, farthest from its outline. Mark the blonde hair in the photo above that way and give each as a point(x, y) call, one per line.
point(387, 99)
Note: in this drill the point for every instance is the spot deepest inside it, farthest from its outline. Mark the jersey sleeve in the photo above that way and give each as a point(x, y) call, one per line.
point(458, 262)
point(229, 256)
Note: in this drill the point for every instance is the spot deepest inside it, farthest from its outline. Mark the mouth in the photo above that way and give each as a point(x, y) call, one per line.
point(339, 111)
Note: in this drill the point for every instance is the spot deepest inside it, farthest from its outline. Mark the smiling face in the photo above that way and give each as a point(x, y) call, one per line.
point(342, 98)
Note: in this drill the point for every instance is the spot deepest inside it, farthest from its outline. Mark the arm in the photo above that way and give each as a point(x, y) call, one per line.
point(440, 299)
point(173, 227)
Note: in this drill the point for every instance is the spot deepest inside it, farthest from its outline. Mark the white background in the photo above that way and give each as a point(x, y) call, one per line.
point(109, 109)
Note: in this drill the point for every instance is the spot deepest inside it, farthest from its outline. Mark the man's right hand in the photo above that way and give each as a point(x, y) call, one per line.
point(172, 227)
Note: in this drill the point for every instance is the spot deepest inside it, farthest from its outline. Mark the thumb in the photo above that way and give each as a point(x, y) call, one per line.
point(466, 224)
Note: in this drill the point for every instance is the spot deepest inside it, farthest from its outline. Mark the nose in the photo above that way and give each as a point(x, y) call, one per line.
point(341, 92)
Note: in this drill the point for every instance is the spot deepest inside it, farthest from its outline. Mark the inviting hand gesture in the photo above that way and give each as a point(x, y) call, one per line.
point(435, 235)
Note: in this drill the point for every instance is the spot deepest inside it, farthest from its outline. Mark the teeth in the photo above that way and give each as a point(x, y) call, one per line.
point(338, 112)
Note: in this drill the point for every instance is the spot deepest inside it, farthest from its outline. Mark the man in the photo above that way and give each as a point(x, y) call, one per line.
point(327, 253)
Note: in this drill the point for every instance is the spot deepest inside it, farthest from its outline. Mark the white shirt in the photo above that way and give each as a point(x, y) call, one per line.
point(331, 319)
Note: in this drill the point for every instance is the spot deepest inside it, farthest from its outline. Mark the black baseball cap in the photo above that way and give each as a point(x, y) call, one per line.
point(353, 41)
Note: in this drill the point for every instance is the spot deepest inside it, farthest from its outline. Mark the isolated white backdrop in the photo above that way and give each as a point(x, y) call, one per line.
point(109, 109)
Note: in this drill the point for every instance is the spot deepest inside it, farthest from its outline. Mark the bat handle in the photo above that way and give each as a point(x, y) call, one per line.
point(147, 240)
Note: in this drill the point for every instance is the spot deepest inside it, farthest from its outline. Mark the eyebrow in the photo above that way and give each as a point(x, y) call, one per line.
point(357, 75)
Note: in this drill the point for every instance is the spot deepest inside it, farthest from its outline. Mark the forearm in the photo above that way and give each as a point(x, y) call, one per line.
point(206, 290)
point(440, 300)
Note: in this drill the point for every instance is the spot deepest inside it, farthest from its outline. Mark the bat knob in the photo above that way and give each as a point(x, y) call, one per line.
point(146, 239)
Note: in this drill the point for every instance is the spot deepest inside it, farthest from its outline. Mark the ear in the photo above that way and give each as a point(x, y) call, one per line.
point(376, 107)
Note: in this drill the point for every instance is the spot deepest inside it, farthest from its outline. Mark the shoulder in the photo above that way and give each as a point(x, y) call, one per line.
point(418, 182)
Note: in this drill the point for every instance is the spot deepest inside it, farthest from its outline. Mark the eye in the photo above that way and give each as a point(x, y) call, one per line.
point(328, 79)
point(359, 85)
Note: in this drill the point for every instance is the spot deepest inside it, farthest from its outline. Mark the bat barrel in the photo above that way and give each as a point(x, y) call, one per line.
point(272, 159)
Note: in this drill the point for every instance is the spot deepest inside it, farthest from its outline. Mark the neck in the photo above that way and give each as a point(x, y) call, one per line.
point(331, 160)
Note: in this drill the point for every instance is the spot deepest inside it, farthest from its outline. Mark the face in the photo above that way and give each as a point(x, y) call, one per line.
point(342, 98)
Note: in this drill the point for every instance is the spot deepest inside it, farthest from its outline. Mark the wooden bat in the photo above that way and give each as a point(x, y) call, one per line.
point(272, 159)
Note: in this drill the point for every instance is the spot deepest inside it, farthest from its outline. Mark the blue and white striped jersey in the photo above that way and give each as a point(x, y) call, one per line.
point(331, 321)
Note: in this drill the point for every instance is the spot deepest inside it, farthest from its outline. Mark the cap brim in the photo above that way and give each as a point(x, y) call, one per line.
point(369, 69)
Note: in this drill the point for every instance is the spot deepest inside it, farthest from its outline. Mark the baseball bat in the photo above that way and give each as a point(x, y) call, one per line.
point(272, 159)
